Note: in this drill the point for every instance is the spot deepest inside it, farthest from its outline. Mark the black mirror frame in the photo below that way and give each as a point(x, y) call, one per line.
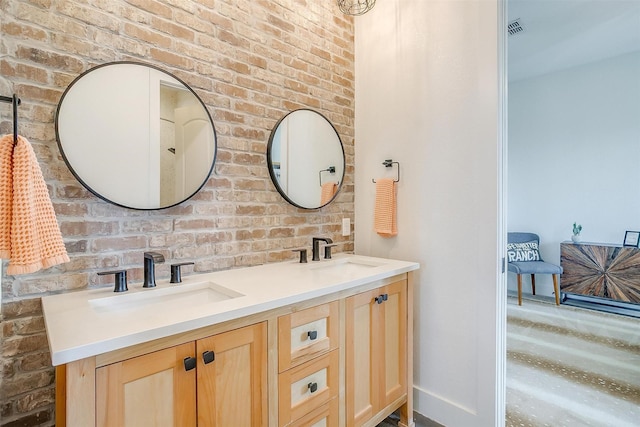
point(144, 64)
point(274, 179)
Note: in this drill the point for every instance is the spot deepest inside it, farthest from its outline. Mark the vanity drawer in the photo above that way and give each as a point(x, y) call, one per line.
point(307, 387)
point(306, 334)
point(325, 416)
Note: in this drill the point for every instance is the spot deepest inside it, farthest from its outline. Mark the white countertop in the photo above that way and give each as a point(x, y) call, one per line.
point(87, 323)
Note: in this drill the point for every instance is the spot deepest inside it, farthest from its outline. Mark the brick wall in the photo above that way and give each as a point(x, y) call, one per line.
point(251, 61)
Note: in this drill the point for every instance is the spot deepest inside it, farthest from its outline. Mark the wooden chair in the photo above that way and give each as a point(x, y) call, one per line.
point(533, 267)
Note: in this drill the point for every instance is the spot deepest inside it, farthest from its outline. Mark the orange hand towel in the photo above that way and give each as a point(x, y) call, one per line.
point(29, 234)
point(327, 192)
point(384, 214)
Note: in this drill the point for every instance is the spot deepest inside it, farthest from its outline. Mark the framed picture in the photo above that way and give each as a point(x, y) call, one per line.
point(631, 238)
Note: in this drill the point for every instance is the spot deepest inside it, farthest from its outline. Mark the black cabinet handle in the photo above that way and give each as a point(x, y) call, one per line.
point(208, 357)
point(312, 387)
point(381, 298)
point(312, 335)
point(189, 363)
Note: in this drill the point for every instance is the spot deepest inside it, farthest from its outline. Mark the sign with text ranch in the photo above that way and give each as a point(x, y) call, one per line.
point(527, 251)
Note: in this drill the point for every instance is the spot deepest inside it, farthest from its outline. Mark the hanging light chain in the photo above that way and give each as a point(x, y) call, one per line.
point(356, 7)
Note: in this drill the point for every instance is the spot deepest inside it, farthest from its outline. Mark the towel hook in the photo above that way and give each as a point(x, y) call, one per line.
point(330, 169)
point(387, 164)
point(15, 101)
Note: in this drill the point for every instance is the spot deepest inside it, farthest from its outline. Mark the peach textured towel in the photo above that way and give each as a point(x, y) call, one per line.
point(29, 234)
point(384, 214)
point(327, 192)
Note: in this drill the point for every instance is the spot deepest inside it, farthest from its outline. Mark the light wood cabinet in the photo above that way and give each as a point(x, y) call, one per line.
point(305, 334)
point(307, 387)
point(232, 388)
point(309, 365)
point(342, 359)
point(325, 416)
point(150, 390)
point(376, 351)
point(215, 381)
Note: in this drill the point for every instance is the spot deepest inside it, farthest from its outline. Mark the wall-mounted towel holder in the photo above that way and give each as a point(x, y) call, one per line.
point(15, 101)
point(387, 164)
point(330, 169)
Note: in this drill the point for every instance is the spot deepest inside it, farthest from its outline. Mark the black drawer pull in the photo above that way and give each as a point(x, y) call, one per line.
point(208, 357)
point(381, 298)
point(312, 387)
point(189, 363)
point(312, 335)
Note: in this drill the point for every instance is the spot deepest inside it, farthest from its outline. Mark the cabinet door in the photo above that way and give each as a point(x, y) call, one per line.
point(360, 370)
point(153, 390)
point(392, 344)
point(232, 379)
point(376, 353)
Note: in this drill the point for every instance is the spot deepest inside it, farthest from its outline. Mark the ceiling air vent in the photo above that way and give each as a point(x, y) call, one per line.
point(515, 27)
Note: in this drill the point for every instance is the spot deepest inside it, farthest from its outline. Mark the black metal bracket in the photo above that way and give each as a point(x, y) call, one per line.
point(387, 164)
point(15, 101)
point(330, 169)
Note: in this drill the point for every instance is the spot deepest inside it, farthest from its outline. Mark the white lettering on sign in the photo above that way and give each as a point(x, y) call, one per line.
point(527, 251)
point(523, 256)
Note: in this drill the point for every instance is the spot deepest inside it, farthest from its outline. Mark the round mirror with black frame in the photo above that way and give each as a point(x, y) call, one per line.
point(135, 135)
point(306, 159)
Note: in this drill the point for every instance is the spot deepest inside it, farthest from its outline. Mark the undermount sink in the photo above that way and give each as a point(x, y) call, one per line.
point(347, 266)
point(166, 298)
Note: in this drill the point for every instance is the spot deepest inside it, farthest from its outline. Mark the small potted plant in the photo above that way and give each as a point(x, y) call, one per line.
point(577, 228)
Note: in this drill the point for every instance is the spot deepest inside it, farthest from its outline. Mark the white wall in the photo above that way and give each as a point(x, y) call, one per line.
point(574, 155)
point(101, 165)
point(427, 96)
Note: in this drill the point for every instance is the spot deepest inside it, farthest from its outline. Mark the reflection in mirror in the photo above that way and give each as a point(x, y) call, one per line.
point(306, 159)
point(136, 136)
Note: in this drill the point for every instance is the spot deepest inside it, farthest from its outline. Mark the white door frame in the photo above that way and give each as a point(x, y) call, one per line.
point(501, 326)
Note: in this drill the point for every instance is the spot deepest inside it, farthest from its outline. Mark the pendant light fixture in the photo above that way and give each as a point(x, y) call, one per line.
point(356, 7)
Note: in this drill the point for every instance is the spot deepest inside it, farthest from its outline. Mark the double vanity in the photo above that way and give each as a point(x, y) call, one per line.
point(326, 343)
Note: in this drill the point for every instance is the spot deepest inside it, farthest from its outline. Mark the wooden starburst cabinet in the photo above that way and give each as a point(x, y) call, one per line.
point(215, 381)
point(601, 270)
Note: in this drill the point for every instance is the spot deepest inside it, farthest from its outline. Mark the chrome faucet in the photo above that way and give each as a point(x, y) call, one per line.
point(150, 259)
point(316, 247)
